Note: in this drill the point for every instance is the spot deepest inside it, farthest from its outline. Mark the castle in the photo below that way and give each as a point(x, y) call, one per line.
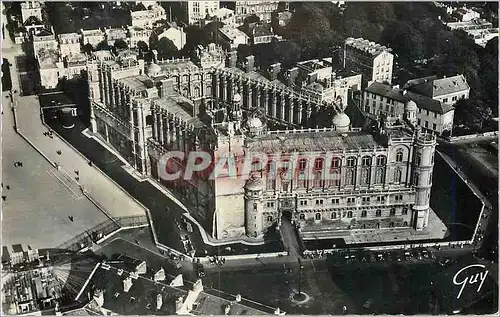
point(342, 178)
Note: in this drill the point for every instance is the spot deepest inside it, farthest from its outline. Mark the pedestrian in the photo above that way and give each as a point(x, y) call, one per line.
point(77, 179)
point(4, 197)
point(8, 187)
point(77, 172)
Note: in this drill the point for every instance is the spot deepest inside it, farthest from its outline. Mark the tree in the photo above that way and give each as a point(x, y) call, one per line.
point(143, 48)
point(121, 44)
point(103, 46)
point(167, 48)
point(88, 48)
point(195, 36)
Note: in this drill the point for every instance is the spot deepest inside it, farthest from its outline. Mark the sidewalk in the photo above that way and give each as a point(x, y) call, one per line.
point(112, 198)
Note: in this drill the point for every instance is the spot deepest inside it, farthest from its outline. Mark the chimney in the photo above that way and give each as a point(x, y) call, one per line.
point(141, 268)
point(160, 275)
point(99, 297)
point(292, 75)
point(159, 301)
point(232, 58)
point(250, 63)
point(178, 303)
point(274, 71)
point(127, 284)
point(238, 298)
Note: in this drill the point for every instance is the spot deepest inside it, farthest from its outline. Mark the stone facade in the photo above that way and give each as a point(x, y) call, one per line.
point(380, 179)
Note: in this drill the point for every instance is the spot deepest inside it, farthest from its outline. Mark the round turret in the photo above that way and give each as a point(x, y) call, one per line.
point(254, 184)
point(254, 189)
point(411, 112)
point(341, 122)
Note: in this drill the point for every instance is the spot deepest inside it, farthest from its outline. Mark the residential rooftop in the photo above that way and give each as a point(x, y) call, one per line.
point(182, 108)
point(367, 46)
point(231, 32)
point(433, 87)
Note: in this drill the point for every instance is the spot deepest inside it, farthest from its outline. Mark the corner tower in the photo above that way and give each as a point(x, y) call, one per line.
point(254, 190)
point(423, 164)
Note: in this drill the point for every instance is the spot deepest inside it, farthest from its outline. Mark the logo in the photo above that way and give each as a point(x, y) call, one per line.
point(461, 278)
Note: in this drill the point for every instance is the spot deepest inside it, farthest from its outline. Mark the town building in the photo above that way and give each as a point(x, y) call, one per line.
point(262, 9)
point(260, 33)
point(478, 30)
point(92, 37)
point(118, 288)
point(74, 65)
point(344, 178)
point(31, 9)
point(146, 18)
point(137, 35)
point(372, 60)
point(225, 16)
point(50, 68)
point(33, 25)
point(44, 39)
point(464, 14)
point(69, 44)
point(18, 253)
point(434, 99)
point(173, 32)
point(230, 38)
point(283, 18)
point(197, 11)
point(116, 34)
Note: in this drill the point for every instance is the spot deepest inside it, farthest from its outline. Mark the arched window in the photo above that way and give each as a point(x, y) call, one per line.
point(333, 215)
point(430, 178)
point(208, 91)
point(197, 92)
point(379, 176)
point(378, 213)
point(349, 177)
point(336, 162)
point(351, 161)
point(398, 174)
point(363, 213)
point(381, 160)
point(418, 159)
point(391, 225)
point(405, 223)
point(334, 177)
point(318, 164)
point(317, 216)
point(185, 78)
point(378, 225)
point(416, 178)
point(365, 176)
point(399, 155)
point(393, 211)
point(302, 164)
point(254, 206)
point(349, 214)
point(366, 161)
point(302, 216)
point(318, 181)
point(404, 211)
point(149, 120)
point(269, 218)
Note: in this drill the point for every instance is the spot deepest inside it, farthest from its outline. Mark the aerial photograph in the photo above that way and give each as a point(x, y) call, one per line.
point(249, 158)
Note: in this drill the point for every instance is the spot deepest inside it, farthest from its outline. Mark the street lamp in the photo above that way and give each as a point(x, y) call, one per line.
point(301, 267)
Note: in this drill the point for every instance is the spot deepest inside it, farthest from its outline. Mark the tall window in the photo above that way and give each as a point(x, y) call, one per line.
point(336, 162)
point(366, 161)
point(349, 177)
point(416, 178)
point(399, 155)
point(378, 213)
point(351, 161)
point(302, 164)
point(318, 164)
point(335, 178)
point(398, 174)
point(317, 216)
point(363, 213)
point(393, 211)
point(318, 182)
point(418, 159)
point(365, 176)
point(333, 215)
point(379, 176)
point(430, 178)
point(302, 216)
point(381, 160)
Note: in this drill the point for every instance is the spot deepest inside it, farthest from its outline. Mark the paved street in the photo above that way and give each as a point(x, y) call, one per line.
point(39, 199)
